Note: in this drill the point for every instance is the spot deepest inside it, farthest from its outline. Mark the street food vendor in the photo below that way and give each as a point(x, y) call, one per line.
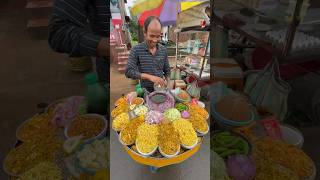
point(148, 61)
point(81, 28)
point(69, 31)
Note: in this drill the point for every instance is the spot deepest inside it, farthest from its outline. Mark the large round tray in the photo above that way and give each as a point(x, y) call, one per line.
point(161, 162)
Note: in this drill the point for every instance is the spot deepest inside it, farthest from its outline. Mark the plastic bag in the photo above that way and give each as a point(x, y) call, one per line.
point(65, 112)
point(131, 96)
point(194, 90)
point(266, 89)
point(175, 74)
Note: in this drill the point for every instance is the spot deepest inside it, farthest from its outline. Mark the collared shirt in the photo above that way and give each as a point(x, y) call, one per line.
point(68, 32)
point(142, 61)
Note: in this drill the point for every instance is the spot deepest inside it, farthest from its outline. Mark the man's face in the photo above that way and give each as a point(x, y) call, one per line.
point(153, 34)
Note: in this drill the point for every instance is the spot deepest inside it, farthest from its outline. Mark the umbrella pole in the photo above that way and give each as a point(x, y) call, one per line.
point(177, 47)
point(177, 37)
point(204, 58)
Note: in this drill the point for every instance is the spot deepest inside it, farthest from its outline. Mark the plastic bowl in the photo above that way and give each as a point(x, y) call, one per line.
point(183, 104)
point(292, 135)
point(146, 154)
point(178, 99)
point(238, 135)
point(100, 135)
point(313, 175)
point(230, 123)
point(201, 104)
point(158, 98)
point(203, 133)
point(167, 155)
point(77, 161)
point(123, 142)
point(139, 98)
point(190, 147)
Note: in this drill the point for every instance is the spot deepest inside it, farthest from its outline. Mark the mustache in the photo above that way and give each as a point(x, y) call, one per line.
point(150, 41)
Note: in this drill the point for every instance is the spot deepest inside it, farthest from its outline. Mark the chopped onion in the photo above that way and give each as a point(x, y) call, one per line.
point(241, 167)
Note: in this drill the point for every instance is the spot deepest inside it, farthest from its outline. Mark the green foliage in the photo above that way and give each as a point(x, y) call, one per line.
point(134, 26)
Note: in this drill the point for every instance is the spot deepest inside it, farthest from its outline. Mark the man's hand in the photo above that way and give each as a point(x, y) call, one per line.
point(158, 81)
point(155, 79)
point(103, 49)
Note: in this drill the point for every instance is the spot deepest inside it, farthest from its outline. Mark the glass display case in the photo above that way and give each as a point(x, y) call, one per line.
point(289, 29)
point(193, 53)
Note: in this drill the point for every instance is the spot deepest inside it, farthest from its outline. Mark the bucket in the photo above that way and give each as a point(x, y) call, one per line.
point(292, 135)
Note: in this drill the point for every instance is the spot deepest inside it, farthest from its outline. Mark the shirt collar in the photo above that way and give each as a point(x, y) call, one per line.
point(146, 46)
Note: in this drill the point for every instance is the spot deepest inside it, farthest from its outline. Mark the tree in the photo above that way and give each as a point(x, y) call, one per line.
point(134, 26)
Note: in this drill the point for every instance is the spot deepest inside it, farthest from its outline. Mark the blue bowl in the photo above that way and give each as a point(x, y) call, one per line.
point(227, 122)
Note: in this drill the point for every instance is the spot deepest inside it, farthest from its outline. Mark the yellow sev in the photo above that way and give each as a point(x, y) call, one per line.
point(121, 121)
point(266, 169)
point(129, 132)
point(32, 152)
point(286, 155)
point(43, 170)
point(38, 126)
point(187, 134)
point(120, 109)
point(169, 141)
point(198, 122)
point(195, 109)
point(147, 138)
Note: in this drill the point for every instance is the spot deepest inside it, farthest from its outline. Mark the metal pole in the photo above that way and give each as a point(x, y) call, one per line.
point(292, 29)
point(204, 58)
point(177, 36)
point(177, 47)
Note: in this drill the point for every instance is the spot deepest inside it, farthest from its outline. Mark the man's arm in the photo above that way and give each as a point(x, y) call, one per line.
point(132, 70)
point(103, 47)
point(67, 33)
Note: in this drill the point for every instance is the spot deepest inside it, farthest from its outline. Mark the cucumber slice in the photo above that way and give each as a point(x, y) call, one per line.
point(71, 144)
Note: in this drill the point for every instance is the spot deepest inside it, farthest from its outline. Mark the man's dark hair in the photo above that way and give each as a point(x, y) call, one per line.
point(149, 20)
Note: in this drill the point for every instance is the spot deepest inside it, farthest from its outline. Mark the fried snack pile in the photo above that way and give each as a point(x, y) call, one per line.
point(198, 118)
point(121, 106)
point(87, 126)
point(36, 127)
point(147, 138)
point(32, 152)
point(286, 155)
point(129, 133)
point(169, 141)
point(195, 109)
point(43, 170)
point(266, 169)
point(121, 121)
point(187, 134)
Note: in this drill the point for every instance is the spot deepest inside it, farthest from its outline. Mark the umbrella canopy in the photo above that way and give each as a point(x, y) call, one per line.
point(153, 12)
point(144, 5)
point(167, 10)
point(193, 16)
point(187, 5)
